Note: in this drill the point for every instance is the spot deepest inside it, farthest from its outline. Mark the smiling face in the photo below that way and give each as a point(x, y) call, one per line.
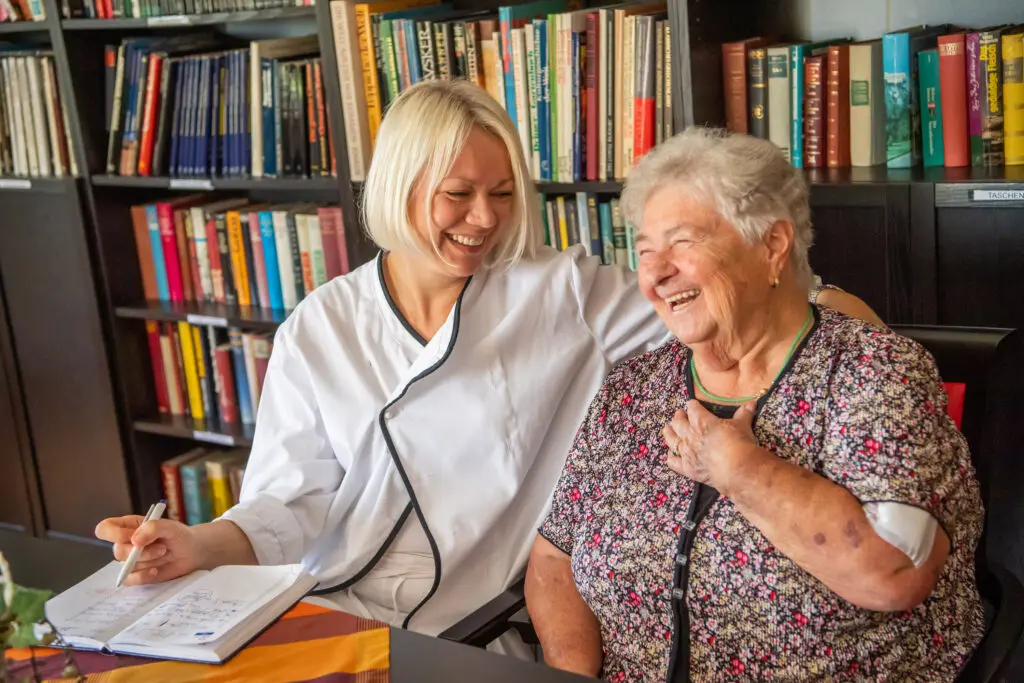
point(472, 208)
point(700, 273)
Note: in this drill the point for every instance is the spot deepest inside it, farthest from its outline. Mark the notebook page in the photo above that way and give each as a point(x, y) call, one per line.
point(209, 608)
point(94, 610)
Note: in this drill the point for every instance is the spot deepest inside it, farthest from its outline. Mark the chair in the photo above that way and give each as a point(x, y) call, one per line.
point(986, 367)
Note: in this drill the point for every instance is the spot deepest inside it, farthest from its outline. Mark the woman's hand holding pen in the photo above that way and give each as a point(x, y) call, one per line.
point(171, 549)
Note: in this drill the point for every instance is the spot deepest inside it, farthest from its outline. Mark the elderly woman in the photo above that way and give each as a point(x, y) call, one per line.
point(779, 493)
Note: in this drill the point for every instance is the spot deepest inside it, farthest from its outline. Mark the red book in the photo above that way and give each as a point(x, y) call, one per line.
point(150, 109)
point(734, 76)
point(643, 95)
point(837, 128)
point(156, 358)
point(814, 112)
point(181, 236)
point(225, 382)
point(329, 238)
point(953, 93)
point(213, 252)
point(170, 247)
point(339, 222)
point(258, 259)
point(593, 50)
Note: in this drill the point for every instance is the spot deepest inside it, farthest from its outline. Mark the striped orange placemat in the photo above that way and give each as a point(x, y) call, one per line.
point(308, 643)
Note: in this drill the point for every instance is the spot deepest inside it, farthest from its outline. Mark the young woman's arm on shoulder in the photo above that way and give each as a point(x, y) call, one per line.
point(621, 319)
point(847, 303)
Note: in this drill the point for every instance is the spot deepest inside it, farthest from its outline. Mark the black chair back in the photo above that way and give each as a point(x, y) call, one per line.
point(990, 363)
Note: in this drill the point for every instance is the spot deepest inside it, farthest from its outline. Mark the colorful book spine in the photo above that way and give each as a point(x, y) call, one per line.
point(156, 244)
point(757, 92)
point(1013, 99)
point(932, 142)
point(974, 103)
point(952, 52)
point(779, 89)
point(991, 58)
point(898, 124)
point(837, 127)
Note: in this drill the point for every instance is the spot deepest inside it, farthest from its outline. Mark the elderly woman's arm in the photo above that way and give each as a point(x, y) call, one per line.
point(823, 528)
point(567, 629)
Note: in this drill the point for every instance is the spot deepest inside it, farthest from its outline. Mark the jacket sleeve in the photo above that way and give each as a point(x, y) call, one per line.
point(619, 316)
point(292, 474)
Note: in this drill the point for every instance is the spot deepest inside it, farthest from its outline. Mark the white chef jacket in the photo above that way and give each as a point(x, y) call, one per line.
point(465, 435)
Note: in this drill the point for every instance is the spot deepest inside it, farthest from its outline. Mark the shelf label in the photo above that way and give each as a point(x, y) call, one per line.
point(191, 183)
point(998, 195)
point(214, 437)
point(213, 321)
point(15, 184)
point(171, 20)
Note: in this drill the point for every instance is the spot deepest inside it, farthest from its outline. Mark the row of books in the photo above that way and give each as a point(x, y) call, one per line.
point(175, 109)
point(584, 218)
point(211, 374)
point(22, 10)
point(589, 90)
point(34, 136)
point(202, 484)
point(142, 9)
point(204, 249)
point(931, 94)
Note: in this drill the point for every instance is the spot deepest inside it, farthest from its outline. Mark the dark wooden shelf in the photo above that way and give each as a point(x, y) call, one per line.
point(179, 20)
point(237, 434)
point(40, 184)
point(880, 175)
point(318, 184)
point(218, 315)
point(610, 186)
point(25, 26)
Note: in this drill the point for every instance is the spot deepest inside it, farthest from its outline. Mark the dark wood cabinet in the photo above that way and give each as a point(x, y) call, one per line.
point(862, 243)
point(16, 475)
point(60, 352)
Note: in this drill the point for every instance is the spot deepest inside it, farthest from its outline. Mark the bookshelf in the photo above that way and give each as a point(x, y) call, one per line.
point(74, 347)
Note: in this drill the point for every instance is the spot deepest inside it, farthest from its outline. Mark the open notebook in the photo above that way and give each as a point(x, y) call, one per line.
point(206, 616)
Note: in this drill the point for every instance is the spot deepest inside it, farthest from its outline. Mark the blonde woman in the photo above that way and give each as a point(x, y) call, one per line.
point(417, 411)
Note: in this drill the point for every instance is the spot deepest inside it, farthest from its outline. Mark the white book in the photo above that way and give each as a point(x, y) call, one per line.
point(206, 616)
point(285, 260)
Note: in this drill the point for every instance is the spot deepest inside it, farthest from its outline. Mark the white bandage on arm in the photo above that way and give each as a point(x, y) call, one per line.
point(906, 527)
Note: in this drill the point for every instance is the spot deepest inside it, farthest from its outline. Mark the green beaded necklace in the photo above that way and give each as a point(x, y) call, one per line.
point(745, 399)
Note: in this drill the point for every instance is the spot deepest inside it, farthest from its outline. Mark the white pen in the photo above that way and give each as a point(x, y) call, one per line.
point(155, 512)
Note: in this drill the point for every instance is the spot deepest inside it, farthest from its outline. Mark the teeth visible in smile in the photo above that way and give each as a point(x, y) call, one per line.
point(682, 297)
point(466, 240)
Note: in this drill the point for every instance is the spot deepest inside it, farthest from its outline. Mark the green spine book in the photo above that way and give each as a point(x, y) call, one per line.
point(931, 108)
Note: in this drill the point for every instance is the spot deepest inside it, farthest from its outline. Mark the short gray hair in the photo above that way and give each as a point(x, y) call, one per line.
point(419, 139)
point(748, 181)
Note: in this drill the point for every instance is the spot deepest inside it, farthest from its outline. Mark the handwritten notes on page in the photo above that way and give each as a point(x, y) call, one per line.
point(207, 609)
point(97, 611)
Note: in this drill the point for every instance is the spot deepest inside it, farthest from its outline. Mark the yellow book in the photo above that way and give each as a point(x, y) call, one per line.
point(188, 359)
point(218, 469)
point(1013, 99)
point(237, 248)
point(563, 224)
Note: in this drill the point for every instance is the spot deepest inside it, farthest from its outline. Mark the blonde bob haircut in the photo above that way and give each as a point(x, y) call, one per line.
point(423, 132)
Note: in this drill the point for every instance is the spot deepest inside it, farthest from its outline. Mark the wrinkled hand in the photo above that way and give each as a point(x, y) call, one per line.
point(172, 549)
point(708, 449)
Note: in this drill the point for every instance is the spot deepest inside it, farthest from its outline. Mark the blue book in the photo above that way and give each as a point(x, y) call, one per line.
point(269, 241)
point(268, 67)
point(540, 43)
point(245, 139)
point(215, 151)
point(203, 116)
point(241, 377)
point(195, 490)
point(177, 118)
point(412, 48)
point(604, 216)
point(187, 160)
point(156, 244)
point(902, 101)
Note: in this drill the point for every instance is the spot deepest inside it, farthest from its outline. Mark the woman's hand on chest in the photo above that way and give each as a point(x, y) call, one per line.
point(709, 449)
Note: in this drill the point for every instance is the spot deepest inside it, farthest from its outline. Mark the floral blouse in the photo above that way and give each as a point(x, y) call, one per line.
point(857, 404)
